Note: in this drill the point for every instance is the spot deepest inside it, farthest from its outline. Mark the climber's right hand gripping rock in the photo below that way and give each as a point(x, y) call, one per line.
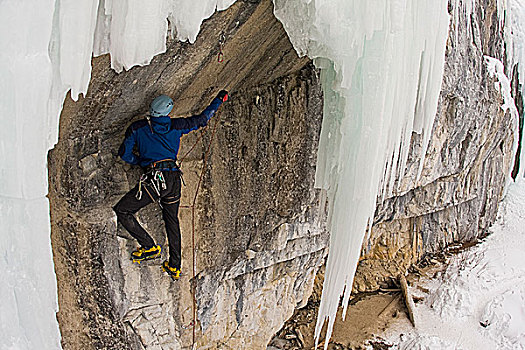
point(223, 95)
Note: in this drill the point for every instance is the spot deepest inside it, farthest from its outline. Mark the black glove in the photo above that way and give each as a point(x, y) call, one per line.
point(223, 95)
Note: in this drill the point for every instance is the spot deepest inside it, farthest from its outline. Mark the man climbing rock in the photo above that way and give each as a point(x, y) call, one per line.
point(153, 143)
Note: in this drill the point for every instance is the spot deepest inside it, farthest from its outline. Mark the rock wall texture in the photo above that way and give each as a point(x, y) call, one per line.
point(259, 236)
point(258, 240)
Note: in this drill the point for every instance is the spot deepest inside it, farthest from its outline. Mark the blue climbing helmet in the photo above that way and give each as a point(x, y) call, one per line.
point(161, 106)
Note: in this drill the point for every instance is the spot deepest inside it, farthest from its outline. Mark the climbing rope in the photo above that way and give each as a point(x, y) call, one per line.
point(193, 323)
point(192, 207)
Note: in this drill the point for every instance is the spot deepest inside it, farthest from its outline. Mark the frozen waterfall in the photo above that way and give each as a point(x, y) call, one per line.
point(47, 47)
point(381, 69)
point(381, 63)
point(28, 291)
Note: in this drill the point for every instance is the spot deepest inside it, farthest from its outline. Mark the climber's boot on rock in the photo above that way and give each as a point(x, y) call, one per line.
point(142, 254)
point(172, 271)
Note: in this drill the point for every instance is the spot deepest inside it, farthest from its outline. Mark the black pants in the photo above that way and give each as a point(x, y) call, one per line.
point(170, 200)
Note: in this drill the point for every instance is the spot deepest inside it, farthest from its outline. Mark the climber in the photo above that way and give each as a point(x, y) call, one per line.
point(156, 139)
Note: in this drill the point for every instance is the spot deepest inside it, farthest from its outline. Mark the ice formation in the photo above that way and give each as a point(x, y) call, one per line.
point(134, 31)
point(381, 69)
point(28, 288)
point(47, 47)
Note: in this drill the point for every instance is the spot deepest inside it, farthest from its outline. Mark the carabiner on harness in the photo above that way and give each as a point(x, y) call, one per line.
point(158, 183)
point(160, 178)
point(142, 181)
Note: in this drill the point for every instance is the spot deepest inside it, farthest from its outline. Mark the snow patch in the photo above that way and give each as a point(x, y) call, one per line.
point(503, 85)
point(478, 302)
point(504, 318)
point(515, 45)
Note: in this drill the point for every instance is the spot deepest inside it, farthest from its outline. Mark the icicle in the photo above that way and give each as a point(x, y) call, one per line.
point(382, 65)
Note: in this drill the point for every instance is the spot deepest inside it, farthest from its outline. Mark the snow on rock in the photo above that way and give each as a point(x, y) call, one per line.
point(502, 84)
point(47, 47)
point(381, 68)
point(478, 302)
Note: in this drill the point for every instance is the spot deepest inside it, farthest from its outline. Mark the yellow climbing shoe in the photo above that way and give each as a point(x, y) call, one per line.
point(172, 271)
point(142, 254)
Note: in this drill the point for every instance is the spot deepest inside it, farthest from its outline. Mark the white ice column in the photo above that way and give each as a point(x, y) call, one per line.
point(134, 31)
point(28, 299)
point(381, 70)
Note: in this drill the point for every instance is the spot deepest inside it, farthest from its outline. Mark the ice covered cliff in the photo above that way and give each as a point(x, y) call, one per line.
point(382, 68)
point(361, 110)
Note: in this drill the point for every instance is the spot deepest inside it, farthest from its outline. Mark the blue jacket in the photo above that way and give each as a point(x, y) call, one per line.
point(161, 141)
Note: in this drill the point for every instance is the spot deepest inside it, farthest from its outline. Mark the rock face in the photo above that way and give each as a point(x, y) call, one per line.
point(258, 239)
point(259, 236)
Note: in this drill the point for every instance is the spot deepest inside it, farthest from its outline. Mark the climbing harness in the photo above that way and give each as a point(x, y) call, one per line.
point(220, 56)
point(165, 164)
point(156, 180)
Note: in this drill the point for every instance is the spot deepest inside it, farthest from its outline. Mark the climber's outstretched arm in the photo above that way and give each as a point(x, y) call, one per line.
point(197, 121)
